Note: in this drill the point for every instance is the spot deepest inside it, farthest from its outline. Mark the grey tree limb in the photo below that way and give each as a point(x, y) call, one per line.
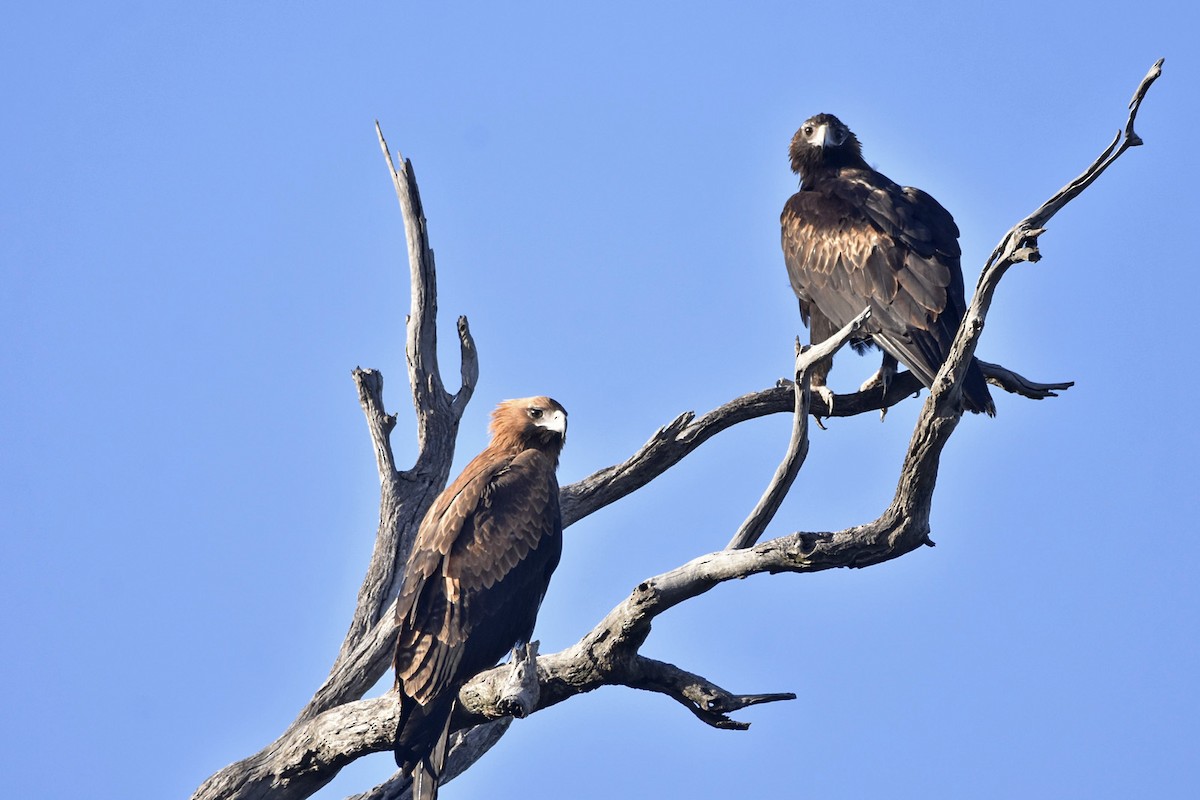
point(797, 450)
point(765, 509)
point(337, 726)
point(680, 437)
point(405, 496)
point(512, 690)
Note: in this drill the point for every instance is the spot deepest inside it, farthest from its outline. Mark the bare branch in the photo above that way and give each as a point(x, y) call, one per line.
point(903, 527)
point(359, 667)
point(464, 749)
point(797, 449)
point(437, 411)
point(470, 369)
point(608, 654)
point(1020, 243)
point(666, 448)
point(677, 439)
point(309, 755)
point(396, 512)
point(793, 458)
point(379, 422)
point(423, 374)
point(511, 690)
point(337, 727)
point(405, 496)
point(710, 703)
point(1017, 384)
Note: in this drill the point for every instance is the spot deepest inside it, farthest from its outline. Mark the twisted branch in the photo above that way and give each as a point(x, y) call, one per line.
point(337, 727)
point(797, 450)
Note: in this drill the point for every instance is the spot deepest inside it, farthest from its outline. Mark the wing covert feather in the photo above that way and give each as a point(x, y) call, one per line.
point(488, 543)
point(862, 241)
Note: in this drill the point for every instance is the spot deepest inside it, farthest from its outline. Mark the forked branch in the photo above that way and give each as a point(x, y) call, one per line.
point(337, 726)
point(797, 450)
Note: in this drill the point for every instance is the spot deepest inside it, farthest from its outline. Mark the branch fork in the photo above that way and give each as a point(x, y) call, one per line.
point(337, 726)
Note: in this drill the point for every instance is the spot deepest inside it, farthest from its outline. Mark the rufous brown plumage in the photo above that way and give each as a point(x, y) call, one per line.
point(477, 573)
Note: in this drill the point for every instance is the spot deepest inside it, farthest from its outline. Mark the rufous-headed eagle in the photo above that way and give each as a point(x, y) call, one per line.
point(852, 239)
point(479, 568)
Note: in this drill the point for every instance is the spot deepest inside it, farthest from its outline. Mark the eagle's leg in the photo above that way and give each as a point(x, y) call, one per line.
point(820, 329)
point(883, 376)
point(882, 379)
point(825, 393)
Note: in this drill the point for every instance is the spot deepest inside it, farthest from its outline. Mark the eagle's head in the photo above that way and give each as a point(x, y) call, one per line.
point(531, 422)
point(824, 141)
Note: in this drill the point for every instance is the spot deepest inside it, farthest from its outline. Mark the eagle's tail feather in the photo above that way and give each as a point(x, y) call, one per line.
point(976, 397)
point(427, 775)
point(420, 747)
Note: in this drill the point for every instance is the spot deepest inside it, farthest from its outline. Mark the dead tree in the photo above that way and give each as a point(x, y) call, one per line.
point(338, 726)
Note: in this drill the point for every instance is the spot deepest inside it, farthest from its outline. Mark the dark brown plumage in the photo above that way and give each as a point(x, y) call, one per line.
point(478, 570)
point(853, 238)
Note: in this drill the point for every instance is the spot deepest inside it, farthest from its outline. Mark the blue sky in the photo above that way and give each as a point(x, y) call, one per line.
point(199, 241)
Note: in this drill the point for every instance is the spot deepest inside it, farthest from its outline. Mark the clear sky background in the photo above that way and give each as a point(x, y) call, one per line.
point(199, 241)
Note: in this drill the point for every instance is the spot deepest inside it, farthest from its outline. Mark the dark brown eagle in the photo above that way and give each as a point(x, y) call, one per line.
point(478, 571)
point(852, 239)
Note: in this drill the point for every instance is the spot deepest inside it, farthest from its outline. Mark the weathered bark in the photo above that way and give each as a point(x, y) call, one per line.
point(337, 726)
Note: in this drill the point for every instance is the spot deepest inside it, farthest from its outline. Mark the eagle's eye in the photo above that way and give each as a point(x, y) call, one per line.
point(535, 413)
point(808, 130)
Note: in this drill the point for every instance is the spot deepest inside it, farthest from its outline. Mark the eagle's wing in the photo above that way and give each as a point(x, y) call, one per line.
point(864, 241)
point(490, 542)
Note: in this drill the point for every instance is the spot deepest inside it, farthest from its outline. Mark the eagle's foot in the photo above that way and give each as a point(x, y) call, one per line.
point(826, 395)
point(882, 379)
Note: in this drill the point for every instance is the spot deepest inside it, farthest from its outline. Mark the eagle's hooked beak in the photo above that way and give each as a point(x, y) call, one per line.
point(555, 421)
point(825, 136)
